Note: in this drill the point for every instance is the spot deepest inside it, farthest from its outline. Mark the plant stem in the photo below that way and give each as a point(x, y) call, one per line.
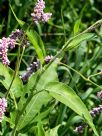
point(94, 75)
point(19, 58)
point(86, 79)
point(15, 73)
point(63, 24)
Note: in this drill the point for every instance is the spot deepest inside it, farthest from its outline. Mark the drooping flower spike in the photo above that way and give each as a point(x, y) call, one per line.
point(30, 70)
point(34, 66)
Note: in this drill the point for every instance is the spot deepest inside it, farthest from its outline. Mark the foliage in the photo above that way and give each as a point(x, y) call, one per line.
point(58, 95)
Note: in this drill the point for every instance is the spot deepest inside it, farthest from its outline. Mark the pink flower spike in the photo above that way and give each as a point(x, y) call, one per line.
point(38, 14)
point(4, 50)
point(11, 43)
point(46, 17)
point(3, 106)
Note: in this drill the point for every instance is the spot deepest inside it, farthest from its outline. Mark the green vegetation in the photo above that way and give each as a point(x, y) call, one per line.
point(53, 71)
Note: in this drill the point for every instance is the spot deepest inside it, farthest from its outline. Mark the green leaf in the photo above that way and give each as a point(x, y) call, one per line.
point(0, 28)
point(50, 75)
point(41, 131)
point(76, 26)
point(17, 2)
point(22, 134)
point(6, 76)
point(33, 40)
point(77, 40)
point(20, 22)
point(43, 115)
point(34, 108)
point(40, 42)
point(67, 96)
point(52, 132)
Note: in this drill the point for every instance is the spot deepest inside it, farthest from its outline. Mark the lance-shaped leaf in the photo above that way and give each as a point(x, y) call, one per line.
point(31, 37)
point(20, 22)
point(78, 39)
point(67, 96)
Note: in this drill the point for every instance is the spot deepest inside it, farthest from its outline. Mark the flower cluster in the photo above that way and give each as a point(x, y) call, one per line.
point(3, 105)
point(6, 43)
point(48, 59)
point(9, 42)
point(17, 35)
point(34, 67)
point(95, 111)
point(80, 129)
point(99, 95)
point(38, 14)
